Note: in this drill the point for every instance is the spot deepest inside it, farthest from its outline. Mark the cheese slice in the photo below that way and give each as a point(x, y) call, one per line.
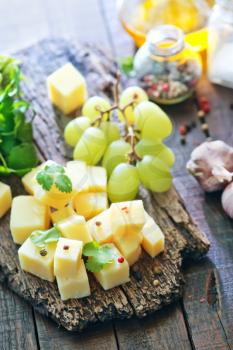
point(128, 218)
point(76, 286)
point(115, 273)
point(75, 227)
point(61, 214)
point(67, 257)
point(67, 88)
point(5, 198)
point(100, 227)
point(27, 215)
point(90, 204)
point(153, 238)
point(38, 261)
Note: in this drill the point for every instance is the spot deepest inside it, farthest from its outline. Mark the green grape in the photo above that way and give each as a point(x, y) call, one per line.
point(111, 131)
point(91, 146)
point(115, 154)
point(154, 174)
point(124, 183)
point(74, 130)
point(152, 121)
point(156, 149)
point(133, 93)
point(92, 106)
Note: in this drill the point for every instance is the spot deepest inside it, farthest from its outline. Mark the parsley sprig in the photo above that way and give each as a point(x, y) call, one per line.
point(98, 256)
point(41, 238)
point(54, 174)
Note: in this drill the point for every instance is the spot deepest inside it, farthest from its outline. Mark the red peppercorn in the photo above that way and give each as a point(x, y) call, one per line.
point(203, 99)
point(205, 108)
point(165, 87)
point(121, 260)
point(183, 130)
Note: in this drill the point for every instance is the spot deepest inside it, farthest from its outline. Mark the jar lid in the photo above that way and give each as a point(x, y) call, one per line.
point(165, 40)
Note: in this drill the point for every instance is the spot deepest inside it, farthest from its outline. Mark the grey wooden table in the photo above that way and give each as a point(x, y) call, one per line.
point(203, 319)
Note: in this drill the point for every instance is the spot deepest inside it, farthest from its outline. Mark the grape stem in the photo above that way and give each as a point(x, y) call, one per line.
point(132, 138)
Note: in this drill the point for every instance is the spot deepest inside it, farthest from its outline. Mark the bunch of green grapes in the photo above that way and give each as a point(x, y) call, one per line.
point(137, 157)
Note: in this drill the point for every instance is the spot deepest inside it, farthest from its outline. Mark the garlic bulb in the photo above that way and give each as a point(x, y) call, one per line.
point(227, 200)
point(210, 163)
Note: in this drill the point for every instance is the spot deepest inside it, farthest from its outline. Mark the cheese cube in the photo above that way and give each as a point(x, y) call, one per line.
point(90, 204)
point(76, 286)
point(75, 227)
point(97, 179)
point(67, 257)
point(46, 198)
point(78, 173)
point(100, 227)
point(27, 215)
point(115, 273)
point(5, 198)
point(36, 260)
point(130, 247)
point(128, 218)
point(29, 180)
point(61, 214)
point(67, 88)
point(153, 237)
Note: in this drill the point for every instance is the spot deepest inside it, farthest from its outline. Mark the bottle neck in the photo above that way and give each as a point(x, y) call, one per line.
point(165, 41)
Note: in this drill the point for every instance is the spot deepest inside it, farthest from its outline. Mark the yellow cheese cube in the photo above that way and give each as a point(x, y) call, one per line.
point(46, 198)
point(27, 215)
point(5, 198)
point(133, 257)
point(128, 218)
point(78, 173)
point(115, 273)
point(153, 237)
point(38, 261)
point(97, 179)
point(90, 204)
point(75, 227)
point(67, 257)
point(130, 247)
point(76, 286)
point(67, 88)
point(61, 214)
point(100, 227)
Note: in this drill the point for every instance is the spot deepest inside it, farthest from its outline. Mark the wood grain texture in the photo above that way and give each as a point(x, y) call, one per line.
point(139, 296)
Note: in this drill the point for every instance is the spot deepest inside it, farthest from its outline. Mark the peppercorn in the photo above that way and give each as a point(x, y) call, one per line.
point(206, 108)
point(183, 140)
point(66, 247)
point(43, 252)
point(205, 129)
point(183, 130)
point(121, 260)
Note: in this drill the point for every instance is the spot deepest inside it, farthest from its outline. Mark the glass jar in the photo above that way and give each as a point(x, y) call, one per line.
point(167, 67)
point(138, 17)
point(220, 48)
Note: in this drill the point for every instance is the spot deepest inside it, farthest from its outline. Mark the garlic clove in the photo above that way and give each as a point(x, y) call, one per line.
point(227, 200)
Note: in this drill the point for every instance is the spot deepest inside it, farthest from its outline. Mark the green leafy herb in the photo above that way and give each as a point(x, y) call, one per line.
point(17, 151)
point(41, 238)
point(98, 256)
point(126, 64)
point(54, 174)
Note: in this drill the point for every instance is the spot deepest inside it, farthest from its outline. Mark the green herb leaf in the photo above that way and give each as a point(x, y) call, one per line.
point(98, 256)
point(54, 174)
point(41, 238)
point(126, 64)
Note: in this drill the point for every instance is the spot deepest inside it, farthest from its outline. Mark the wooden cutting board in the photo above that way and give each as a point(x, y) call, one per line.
point(154, 282)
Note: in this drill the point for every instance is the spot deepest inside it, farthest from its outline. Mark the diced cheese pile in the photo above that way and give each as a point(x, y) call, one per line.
point(67, 88)
point(125, 226)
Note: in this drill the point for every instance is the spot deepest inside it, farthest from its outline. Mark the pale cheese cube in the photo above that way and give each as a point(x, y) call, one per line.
point(97, 179)
point(78, 173)
point(76, 286)
point(46, 198)
point(29, 180)
point(27, 215)
point(90, 204)
point(128, 218)
point(61, 214)
point(5, 198)
point(75, 227)
point(67, 88)
point(133, 257)
point(100, 227)
point(115, 273)
point(130, 247)
point(153, 238)
point(67, 257)
point(36, 260)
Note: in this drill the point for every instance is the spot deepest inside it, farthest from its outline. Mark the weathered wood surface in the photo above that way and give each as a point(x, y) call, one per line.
point(183, 238)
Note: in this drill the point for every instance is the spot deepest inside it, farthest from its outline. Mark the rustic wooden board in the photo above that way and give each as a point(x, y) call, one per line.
point(183, 238)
